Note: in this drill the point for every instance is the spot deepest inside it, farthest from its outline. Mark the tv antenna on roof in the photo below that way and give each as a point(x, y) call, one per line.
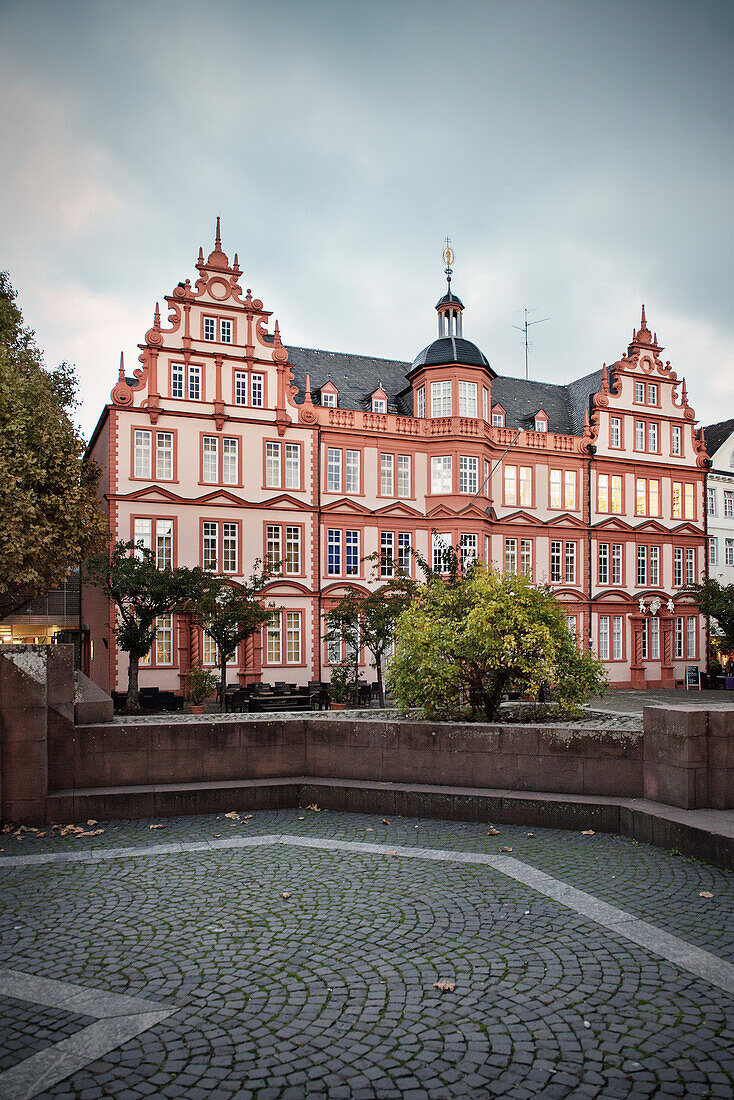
point(524, 329)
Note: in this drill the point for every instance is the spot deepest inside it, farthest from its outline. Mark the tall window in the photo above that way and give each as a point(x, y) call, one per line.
point(691, 636)
point(510, 484)
point(218, 536)
point(468, 474)
point(164, 456)
point(640, 392)
point(403, 475)
point(440, 398)
point(603, 637)
point(563, 489)
point(230, 461)
point(387, 475)
point(526, 486)
point(257, 390)
point(283, 465)
point(293, 466)
point(616, 637)
point(420, 402)
point(333, 470)
point(240, 387)
point(675, 439)
point(711, 500)
point(273, 639)
point(615, 432)
point(194, 383)
point(351, 471)
point(485, 403)
point(272, 465)
point(679, 636)
point(441, 552)
point(441, 477)
point(467, 399)
point(351, 542)
point(292, 637)
point(652, 436)
point(678, 566)
point(335, 540)
point(642, 566)
point(210, 536)
point(690, 565)
point(683, 500)
point(157, 536)
point(640, 435)
point(526, 557)
point(556, 561)
point(654, 566)
point(569, 489)
point(510, 555)
point(728, 551)
point(609, 493)
point(177, 379)
point(602, 569)
point(647, 496)
point(210, 328)
point(387, 554)
point(713, 550)
point(142, 448)
point(617, 563)
point(211, 445)
point(225, 331)
point(164, 640)
point(334, 552)
point(652, 393)
point(404, 555)
point(284, 626)
point(570, 563)
point(275, 539)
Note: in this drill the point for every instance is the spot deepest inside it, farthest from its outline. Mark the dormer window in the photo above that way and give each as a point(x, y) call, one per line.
point(328, 399)
point(498, 417)
point(541, 421)
point(379, 405)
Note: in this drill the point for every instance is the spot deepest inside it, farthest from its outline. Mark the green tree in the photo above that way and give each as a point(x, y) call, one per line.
point(369, 619)
point(461, 645)
point(717, 600)
point(229, 612)
point(141, 593)
point(48, 493)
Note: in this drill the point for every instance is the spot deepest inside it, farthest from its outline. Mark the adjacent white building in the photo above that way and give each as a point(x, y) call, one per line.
point(720, 501)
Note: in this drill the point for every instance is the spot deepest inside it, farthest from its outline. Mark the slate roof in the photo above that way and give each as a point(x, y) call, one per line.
point(451, 349)
point(357, 376)
point(716, 435)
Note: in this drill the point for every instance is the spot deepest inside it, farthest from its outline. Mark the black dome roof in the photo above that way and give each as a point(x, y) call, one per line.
point(450, 299)
point(451, 349)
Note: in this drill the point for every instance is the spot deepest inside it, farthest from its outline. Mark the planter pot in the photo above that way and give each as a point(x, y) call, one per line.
point(196, 708)
point(338, 706)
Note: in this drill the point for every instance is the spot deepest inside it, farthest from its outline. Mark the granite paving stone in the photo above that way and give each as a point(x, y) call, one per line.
point(330, 992)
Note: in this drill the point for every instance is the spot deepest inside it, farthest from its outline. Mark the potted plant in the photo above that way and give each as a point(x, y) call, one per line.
point(199, 683)
point(341, 685)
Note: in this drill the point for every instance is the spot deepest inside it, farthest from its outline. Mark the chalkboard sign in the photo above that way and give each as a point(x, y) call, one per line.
point(693, 677)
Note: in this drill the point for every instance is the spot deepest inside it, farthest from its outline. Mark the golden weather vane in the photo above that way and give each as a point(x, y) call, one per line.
point(448, 255)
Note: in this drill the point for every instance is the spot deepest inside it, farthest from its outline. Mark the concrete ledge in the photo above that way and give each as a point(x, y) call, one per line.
point(707, 835)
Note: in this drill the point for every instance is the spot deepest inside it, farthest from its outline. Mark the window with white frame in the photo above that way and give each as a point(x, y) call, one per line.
point(678, 566)
point(293, 637)
point(177, 379)
point(652, 393)
point(569, 489)
point(210, 328)
point(379, 405)
point(652, 436)
point(654, 639)
point(273, 547)
point(609, 501)
point(642, 566)
point(640, 435)
point(679, 636)
point(615, 432)
point(498, 419)
point(728, 551)
point(526, 557)
point(570, 563)
point(241, 387)
point(230, 545)
point(440, 552)
point(157, 536)
point(164, 640)
point(691, 636)
point(469, 546)
point(556, 561)
point(404, 552)
point(333, 552)
point(273, 639)
point(603, 637)
point(420, 402)
point(441, 398)
point(225, 331)
point(351, 556)
point(441, 474)
point(210, 459)
point(333, 470)
point(210, 545)
point(556, 488)
point(328, 399)
point(257, 390)
point(654, 553)
point(230, 461)
point(711, 500)
point(713, 550)
point(640, 393)
point(387, 554)
point(485, 403)
point(194, 389)
point(602, 564)
point(510, 484)
point(352, 471)
point(142, 453)
point(617, 563)
point(468, 474)
point(387, 475)
point(467, 399)
point(675, 439)
point(404, 485)
point(690, 565)
point(164, 456)
point(616, 637)
point(272, 466)
point(526, 486)
point(728, 503)
point(510, 555)
point(292, 459)
point(216, 535)
point(541, 424)
point(684, 506)
point(209, 650)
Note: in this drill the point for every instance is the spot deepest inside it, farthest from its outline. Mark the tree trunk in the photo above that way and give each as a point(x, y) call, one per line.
point(223, 687)
point(493, 697)
point(380, 685)
point(132, 702)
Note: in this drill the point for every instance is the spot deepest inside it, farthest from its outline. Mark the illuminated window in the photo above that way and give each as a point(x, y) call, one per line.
point(526, 486)
point(556, 488)
point(510, 484)
point(164, 640)
point(293, 637)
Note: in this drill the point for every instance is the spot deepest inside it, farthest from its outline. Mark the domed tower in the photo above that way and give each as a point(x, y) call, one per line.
point(451, 376)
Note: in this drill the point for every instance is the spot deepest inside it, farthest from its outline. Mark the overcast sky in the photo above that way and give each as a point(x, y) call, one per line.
point(578, 154)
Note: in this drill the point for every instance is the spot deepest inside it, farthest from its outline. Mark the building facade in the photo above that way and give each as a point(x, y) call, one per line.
point(720, 501)
point(225, 446)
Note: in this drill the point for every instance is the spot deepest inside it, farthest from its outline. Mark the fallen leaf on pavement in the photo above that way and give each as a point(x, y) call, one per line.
point(493, 832)
point(286, 894)
point(588, 832)
point(92, 821)
point(314, 807)
point(385, 821)
point(705, 894)
point(530, 834)
point(505, 849)
point(392, 853)
point(156, 826)
point(444, 985)
point(233, 814)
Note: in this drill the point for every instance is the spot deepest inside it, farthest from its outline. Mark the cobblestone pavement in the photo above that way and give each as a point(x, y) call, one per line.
point(290, 967)
point(630, 703)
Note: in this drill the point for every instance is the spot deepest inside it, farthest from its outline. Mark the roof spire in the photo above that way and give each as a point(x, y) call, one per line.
point(448, 259)
point(643, 322)
point(121, 375)
point(218, 248)
point(218, 258)
point(157, 316)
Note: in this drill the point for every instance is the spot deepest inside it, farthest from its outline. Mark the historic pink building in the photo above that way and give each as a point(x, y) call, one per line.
point(226, 446)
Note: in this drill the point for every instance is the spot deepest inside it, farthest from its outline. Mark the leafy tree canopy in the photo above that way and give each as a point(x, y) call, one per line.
point(48, 501)
point(141, 593)
point(717, 600)
point(229, 612)
point(460, 646)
